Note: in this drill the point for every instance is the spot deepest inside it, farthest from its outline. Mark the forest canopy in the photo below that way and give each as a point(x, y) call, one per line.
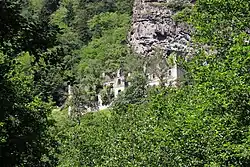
point(47, 45)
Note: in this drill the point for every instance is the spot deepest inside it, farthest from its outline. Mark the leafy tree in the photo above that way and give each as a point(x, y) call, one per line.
point(88, 9)
point(104, 54)
point(134, 94)
point(205, 123)
point(49, 7)
point(25, 140)
point(107, 95)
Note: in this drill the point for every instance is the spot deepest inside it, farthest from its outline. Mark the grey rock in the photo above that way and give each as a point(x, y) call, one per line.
point(153, 26)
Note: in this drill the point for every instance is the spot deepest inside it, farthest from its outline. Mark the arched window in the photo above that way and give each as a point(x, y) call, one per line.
point(169, 73)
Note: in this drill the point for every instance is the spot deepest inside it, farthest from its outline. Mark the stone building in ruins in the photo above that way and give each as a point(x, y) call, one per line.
point(153, 27)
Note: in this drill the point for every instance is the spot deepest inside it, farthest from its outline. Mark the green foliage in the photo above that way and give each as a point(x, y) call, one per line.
point(88, 36)
point(107, 95)
point(134, 94)
point(24, 130)
point(104, 54)
point(107, 48)
point(72, 138)
point(49, 7)
point(204, 123)
point(104, 22)
point(86, 10)
point(25, 139)
point(84, 98)
point(175, 5)
point(224, 22)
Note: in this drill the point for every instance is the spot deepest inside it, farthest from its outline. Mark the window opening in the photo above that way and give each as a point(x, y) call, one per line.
point(119, 82)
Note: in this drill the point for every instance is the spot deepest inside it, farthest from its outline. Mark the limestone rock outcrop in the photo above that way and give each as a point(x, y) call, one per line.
point(153, 27)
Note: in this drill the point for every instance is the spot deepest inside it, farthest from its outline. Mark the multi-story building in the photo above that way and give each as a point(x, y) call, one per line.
point(119, 82)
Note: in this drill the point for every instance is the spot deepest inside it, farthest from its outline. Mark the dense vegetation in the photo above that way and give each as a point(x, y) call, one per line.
point(204, 122)
point(46, 45)
point(25, 48)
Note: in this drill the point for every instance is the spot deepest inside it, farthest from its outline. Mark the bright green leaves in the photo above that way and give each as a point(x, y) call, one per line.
point(106, 22)
point(105, 53)
point(21, 75)
point(106, 45)
point(204, 123)
point(25, 140)
point(219, 94)
point(218, 22)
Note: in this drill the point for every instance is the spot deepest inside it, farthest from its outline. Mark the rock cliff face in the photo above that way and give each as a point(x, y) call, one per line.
point(153, 27)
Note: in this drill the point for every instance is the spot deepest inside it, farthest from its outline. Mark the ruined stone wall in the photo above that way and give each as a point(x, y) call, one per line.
point(153, 27)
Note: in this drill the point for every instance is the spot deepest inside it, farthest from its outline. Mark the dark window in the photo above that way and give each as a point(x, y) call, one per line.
point(168, 53)
point(169, 73)
point(119, 82)
point(119, 91)
point(126, 84)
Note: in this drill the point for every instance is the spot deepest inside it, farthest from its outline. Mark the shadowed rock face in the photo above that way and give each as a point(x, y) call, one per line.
point(153, 27)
